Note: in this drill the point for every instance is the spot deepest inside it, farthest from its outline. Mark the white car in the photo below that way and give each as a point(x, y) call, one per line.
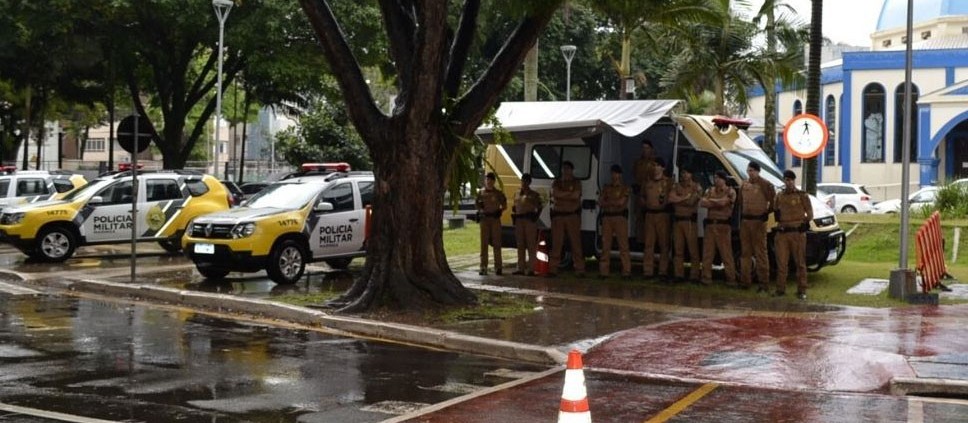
point(920, 199)
point(847, 198)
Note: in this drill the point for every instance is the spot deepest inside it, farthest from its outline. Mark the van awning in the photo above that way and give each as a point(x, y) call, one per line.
point(549, 120)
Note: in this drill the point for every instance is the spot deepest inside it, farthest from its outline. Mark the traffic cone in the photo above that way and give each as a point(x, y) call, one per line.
point(541, 257)
point(574, 398)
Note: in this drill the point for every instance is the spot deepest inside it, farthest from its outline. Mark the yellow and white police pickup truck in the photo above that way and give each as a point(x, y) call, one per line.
point(285, 226)
point(100, 213)
point(31, 186)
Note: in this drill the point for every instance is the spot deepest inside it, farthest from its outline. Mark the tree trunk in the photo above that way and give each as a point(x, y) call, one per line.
point(813, 87)
point(531, 74)
point(405, 262)
point(769, 89)
point(625, 65)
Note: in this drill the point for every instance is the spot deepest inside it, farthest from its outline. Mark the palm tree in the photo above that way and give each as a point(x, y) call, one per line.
point(813, 86)
point(781, 64)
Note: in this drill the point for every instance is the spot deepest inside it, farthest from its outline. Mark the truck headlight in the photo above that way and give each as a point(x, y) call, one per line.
point(11, 218)
point(243, 230)
point(188, 229)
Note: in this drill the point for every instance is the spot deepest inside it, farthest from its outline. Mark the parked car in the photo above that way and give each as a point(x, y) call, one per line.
point(100, 213)
point(919, 200)
point(31, 186)
point(236, 196)
point(847, 198)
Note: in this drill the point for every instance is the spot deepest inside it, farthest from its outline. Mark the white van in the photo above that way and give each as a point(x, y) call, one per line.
point(596, 135)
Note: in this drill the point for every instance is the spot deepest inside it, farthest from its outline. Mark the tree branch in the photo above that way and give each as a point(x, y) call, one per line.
point(345, 68)
point(475, 104)
point(430, 62)
point(460, 47)
point(398, 17)
point(135, 94)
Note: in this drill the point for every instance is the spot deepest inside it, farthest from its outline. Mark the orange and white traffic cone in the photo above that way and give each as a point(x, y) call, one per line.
point(541, 257)
point(574, 397)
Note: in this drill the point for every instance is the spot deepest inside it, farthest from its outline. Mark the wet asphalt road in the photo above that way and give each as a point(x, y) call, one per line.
point(126, 362)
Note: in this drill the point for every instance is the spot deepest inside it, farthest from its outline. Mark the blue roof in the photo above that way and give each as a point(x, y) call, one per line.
point(894, 12)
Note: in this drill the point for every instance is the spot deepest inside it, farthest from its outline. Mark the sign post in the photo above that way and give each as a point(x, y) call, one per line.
point(133, 141)
point(806, 136)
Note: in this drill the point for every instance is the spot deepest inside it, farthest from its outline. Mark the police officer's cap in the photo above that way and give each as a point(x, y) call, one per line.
point(755, 166)
point(659, 162)
point(721, 175)
point(568, 164)
point(616, 168)
point(788, 174)
point(526, 177)
point(490, 175)
point(647, 142)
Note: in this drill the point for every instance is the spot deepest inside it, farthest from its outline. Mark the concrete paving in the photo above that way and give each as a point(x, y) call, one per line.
point(653, 348)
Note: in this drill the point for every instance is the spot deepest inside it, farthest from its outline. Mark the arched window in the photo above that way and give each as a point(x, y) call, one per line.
point(830, 118)
point(797, 110)
point(899, 123)
point(872, 130)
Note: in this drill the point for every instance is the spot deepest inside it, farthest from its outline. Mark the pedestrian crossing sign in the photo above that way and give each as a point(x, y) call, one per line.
point(805, 136)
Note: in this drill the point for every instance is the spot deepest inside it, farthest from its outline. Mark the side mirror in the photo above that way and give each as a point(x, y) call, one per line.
point(95, 200)
point(323, 207)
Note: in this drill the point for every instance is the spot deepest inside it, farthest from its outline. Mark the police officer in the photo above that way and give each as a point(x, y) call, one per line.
point(566, 219)
point(527, 207)
point(684, 198)
point(614, 200)
point(491, 203)
point(719, 200)
point(793, 216)
point(642, 172)
point(756, 202)
point(654, 204)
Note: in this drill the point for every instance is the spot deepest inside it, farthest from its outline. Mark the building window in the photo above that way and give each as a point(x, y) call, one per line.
point(94, 145)
point(797, 110)
point(830, 119)
point(872, 135)
point(899, 123)
point(925, 35)
point(904, 39)
point(886, 43)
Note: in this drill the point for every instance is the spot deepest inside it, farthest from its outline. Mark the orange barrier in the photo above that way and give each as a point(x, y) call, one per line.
point(367, 222)
point(929, 245)
point(574, 396)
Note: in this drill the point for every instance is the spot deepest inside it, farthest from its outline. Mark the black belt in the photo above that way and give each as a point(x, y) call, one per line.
point(620, 213)
point(656, 211)
point(786, 229)
point(716, 221)
point(494, 214)
point(684, 218)
point(760, 217)
point(567, 213)
point(529, 216)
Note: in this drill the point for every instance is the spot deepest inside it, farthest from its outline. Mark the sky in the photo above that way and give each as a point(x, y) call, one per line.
point(847, 21)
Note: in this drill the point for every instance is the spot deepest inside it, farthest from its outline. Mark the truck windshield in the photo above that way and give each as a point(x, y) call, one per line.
point(285, 196)
point(740, 159)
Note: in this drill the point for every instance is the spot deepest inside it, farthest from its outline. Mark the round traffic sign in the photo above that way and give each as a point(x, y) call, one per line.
point(805, 136)
point(126, 136)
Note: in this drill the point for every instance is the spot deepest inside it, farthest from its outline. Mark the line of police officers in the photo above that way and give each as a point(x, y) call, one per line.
point(664, 207)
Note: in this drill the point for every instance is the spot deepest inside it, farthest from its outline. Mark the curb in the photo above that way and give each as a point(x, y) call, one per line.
point(929, 386)
point(396, 332)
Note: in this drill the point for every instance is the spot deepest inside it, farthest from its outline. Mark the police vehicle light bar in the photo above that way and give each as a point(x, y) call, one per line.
point(725, 122)
point(328, 167)
point(6, 170)
point(122, 167)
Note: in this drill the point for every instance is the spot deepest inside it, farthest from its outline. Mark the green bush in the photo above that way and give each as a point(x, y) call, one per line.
point(952, 201)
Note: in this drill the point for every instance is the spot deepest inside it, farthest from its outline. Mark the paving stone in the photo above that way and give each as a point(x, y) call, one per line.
point(869, 286)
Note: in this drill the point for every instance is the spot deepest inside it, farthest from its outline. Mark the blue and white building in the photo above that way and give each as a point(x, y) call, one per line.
point(862, 102)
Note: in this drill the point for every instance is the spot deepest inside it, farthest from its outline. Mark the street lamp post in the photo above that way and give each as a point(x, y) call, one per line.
point(569, 52)
point(222, 9)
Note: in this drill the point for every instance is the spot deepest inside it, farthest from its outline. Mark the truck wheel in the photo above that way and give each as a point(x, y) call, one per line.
point(212, 272)
point(286, 262)
point(170, 246)
point(55, 244)
point(339, 263)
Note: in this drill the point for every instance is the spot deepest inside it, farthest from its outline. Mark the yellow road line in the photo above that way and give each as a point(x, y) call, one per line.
point(683, 403)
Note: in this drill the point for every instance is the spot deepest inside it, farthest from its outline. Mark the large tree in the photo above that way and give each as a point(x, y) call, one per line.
point(414, 146)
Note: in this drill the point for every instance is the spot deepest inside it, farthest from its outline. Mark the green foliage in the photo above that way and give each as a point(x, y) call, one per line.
point(952, 201)
point(323, 135)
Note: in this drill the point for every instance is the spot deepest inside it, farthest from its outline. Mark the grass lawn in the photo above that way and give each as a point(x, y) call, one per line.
point(872, 252)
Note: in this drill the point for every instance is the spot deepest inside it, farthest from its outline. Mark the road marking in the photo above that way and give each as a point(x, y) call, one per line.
point(17, 290)
point(50, 414)
point(915, 410)
point(683, 403)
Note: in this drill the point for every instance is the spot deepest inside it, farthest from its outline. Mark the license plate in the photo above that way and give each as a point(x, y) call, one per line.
point(205, 248)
